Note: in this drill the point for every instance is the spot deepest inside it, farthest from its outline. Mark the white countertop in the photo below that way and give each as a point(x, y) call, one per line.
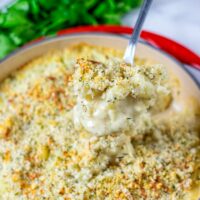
point(175, 19)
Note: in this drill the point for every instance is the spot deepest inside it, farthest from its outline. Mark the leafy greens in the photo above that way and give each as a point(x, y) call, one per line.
point(26, 20)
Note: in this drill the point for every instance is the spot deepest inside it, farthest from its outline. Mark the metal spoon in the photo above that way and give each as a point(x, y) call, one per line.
point(130, 50)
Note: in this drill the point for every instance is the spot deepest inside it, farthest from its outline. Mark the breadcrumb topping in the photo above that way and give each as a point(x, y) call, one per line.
point(115, 80)
point(43, 155)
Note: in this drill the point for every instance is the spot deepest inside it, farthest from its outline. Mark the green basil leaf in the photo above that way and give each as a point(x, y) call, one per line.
point(21, 5)
point(100, 10)
point(89, 19)
point(19, 36)
point(111, 18)
point(90, 4)
point(35, 9)
point(13, 18)
point(111, 4)
point(50, 4)
point(6, 45)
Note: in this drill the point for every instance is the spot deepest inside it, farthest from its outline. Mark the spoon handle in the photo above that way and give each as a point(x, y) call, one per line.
point(130, 50)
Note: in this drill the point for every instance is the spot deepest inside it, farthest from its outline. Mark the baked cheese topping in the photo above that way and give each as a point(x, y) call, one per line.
point(43, 155)
point(113, 96)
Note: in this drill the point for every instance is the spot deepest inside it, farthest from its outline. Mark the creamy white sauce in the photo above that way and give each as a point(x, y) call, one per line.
point(100, 117)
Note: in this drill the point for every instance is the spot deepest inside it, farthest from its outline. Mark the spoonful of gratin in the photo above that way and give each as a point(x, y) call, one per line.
point(113, 96)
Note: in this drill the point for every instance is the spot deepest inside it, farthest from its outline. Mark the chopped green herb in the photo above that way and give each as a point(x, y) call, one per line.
point(26, 20)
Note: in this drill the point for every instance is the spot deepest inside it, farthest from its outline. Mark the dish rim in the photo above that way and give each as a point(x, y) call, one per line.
point(52, 38)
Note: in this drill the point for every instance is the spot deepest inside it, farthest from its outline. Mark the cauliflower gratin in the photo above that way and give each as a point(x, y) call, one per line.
point(80, 124)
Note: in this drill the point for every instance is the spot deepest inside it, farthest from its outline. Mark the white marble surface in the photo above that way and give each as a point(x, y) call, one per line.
point(3, 3)
point(176, 19)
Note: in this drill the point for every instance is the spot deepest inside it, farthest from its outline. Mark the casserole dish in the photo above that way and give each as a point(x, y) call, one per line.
point(188, 86)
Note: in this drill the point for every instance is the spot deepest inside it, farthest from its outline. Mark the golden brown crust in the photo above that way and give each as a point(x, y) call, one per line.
point(43, 156)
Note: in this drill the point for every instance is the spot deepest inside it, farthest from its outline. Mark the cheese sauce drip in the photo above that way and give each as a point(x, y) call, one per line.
point(115, 97)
